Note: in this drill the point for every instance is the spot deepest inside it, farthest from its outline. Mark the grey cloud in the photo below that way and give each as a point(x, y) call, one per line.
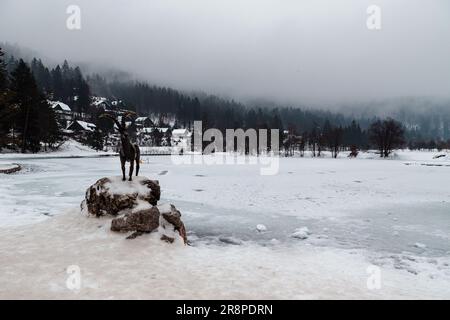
point(289, 51)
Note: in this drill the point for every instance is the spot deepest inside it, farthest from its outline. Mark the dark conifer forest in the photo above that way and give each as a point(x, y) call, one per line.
point(28, 121)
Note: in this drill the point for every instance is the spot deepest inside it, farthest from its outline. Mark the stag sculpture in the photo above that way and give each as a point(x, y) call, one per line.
point(129, 152)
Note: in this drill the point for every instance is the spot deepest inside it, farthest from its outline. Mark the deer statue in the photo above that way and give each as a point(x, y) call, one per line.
point(129, 152)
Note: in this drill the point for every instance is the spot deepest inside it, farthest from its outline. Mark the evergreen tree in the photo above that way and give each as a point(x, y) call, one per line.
point(3, 73)
point(96, 139)
point(57, 84)
point(82, 92)
point(4, 104)
point(34, 118)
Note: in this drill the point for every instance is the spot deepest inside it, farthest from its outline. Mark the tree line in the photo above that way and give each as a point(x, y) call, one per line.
point(28, 119)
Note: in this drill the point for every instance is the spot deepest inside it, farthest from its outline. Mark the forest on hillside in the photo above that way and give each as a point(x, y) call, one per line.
point(301, 127)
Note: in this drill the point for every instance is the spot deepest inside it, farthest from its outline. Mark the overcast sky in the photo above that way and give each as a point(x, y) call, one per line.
point(316, 51)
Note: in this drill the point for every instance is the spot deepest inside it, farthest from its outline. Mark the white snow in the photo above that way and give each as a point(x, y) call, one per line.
point(35, 258)
point(345, 207)
point(70, 148)
point(117, 186)
point(180, 132)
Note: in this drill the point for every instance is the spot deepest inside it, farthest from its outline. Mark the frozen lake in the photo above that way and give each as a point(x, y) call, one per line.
point(381, 205)
point(396, 211)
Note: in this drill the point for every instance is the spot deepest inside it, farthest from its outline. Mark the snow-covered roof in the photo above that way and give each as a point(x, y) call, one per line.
point(149, 130)
point(85, 125)
point(180, 132)
point(100, 102)
point(163, 130)
point(62, 105)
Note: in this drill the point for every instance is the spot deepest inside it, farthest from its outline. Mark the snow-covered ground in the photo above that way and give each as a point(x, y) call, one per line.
point(314, 230)
point(69, 149)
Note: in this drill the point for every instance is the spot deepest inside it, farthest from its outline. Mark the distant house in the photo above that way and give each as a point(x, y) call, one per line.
point(101, 103)
point(81, 126)
point(144, 122)
point(181, 137)
point(153, 136)
point(62, 111)
point(60, 107)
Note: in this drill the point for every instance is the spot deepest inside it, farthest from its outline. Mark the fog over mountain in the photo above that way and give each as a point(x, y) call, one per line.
point(318, 53)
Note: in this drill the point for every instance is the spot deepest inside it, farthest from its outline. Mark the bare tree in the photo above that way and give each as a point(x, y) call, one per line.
point(386, 135)
point(334, 139)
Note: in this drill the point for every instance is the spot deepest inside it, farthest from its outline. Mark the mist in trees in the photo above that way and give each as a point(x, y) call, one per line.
point(65, 84)
point(300, 129)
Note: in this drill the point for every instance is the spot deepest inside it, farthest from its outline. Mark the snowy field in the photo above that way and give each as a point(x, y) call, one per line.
point(314, 230)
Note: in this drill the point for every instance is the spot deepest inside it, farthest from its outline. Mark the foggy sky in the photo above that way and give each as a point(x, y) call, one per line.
point(291, 51)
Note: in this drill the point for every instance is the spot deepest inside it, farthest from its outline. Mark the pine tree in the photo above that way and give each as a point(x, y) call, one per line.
point(96, 139)
point(35, 118)
point(57, 83)
point(3, 73)
point(4, 105)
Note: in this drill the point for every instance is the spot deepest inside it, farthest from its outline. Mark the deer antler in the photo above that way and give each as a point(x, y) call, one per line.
point(119, 125)
point(127, 115)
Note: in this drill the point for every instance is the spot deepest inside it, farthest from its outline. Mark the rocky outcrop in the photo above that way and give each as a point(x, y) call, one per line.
point(170, 221)
point(140, 221)
point(134, 206)
point(165, 219)
point(112, 195)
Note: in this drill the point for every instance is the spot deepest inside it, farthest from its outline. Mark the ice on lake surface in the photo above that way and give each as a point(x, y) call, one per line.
point(244, 228)
point(374, 204)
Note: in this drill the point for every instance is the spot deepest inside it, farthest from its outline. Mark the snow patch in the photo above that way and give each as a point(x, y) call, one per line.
point(301, 233)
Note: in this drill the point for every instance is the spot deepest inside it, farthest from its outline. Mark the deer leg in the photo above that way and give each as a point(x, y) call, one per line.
point(138, 158)
point(137, 167)
point(131, 170)
point(122, 162)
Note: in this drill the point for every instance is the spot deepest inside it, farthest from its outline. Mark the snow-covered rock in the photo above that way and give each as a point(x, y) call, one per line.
point(164, 219)
point(111, 196)
point(261, 227)
point(170, 224)
point(145, 220)
point(134, 204)
point(301, 233)
point(9, 168)
point(420, 245)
